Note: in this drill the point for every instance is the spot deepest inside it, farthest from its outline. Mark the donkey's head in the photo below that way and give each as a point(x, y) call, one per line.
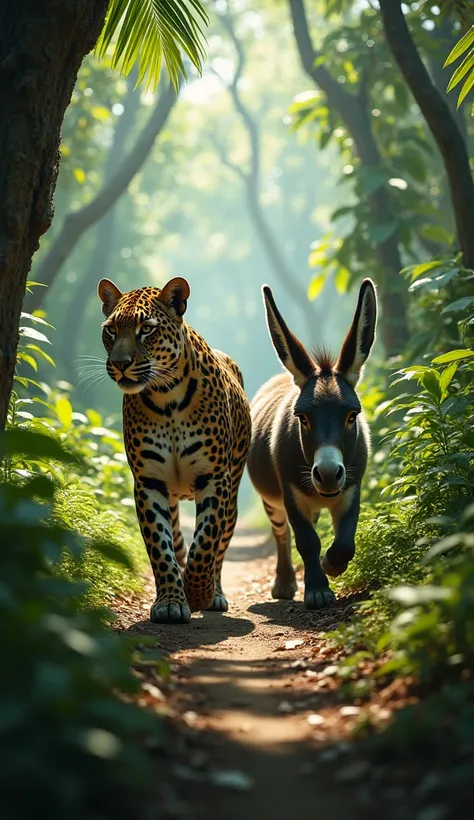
point(327, 406)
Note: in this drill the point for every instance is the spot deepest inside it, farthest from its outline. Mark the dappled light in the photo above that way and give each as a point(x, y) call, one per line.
point(237, 409)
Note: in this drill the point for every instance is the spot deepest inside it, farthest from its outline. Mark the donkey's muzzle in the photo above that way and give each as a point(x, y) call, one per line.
point(328, 471)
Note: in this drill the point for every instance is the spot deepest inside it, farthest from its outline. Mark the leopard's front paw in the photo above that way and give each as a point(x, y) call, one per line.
point(219, 603)
point(169, 612)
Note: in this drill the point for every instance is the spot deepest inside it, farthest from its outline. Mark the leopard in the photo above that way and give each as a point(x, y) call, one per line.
point(187, 431)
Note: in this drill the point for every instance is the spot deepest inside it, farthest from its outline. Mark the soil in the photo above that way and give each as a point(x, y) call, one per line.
point(263, 732)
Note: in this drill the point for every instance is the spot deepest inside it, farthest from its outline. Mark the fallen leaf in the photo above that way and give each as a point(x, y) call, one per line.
point(349, 711)
point(329, 671)
point(293, 644)
point(315, 720)
point(153, 691)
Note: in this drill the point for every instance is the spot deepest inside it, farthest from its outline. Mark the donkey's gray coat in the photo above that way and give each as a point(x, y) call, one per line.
point(309, 449)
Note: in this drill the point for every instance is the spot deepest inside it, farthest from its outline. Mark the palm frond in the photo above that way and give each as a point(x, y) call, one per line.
point(466, 67)
point(150, 31)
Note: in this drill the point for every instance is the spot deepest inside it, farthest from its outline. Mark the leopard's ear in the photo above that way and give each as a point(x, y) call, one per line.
point(175, 295)
point(109, 295)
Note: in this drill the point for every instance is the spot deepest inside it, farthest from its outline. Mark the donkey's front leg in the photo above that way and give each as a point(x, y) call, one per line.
point(212, 500)
point(345, 518)
point(317, 593)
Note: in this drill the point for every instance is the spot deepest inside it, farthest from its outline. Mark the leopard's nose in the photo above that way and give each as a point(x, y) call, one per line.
point(121, 362)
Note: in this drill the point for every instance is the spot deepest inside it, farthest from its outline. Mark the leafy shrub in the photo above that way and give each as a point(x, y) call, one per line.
point(96, 502)
point(68, 736)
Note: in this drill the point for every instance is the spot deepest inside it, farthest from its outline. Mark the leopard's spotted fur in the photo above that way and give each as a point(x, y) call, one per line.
point(186, 430)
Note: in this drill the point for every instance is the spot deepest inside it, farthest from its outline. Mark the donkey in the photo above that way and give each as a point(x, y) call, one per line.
point(309, 449)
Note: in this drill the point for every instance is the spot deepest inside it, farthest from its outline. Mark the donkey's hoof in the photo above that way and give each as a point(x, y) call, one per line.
point(318, 598)
point(330, 569)
point(284, 590)
point(219, 603)
point(163, 613)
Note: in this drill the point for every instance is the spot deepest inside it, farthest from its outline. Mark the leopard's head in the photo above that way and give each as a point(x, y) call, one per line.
point(143, 333)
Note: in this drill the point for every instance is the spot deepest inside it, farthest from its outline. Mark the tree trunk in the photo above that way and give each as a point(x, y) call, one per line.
point(105, 232)
point(77, 222)
point(356, 118)
point(440, 121)
point(42, 45)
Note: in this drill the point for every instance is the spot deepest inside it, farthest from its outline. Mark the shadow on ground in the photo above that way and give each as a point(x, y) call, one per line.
point(205, 630)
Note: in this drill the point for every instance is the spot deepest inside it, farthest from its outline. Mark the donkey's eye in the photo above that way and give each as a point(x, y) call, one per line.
point(110, 331)
point(351, 418)
point(303, 419)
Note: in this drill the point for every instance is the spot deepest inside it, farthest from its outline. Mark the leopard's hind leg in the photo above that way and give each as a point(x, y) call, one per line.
point(179, 544)
point(220, 602)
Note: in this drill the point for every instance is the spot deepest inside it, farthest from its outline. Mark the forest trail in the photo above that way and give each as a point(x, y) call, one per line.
point(263, 729)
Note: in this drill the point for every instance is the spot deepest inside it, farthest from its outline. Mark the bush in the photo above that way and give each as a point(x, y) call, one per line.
point(68, 736)
point(97, 501)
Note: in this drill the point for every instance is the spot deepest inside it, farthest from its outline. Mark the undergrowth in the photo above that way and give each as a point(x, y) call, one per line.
point(71, 734)
point(415, 546)
point(95, 501)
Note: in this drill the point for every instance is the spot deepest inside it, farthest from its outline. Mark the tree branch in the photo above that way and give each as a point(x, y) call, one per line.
point(105, 231)
point(354, 113)
point(77, 222)
point(440, 122)
point(252, 184)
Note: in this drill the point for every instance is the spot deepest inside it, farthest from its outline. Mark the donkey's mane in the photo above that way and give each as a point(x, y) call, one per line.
point(325, 360)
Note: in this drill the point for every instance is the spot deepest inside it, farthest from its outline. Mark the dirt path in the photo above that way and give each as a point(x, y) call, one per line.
point(251, 688)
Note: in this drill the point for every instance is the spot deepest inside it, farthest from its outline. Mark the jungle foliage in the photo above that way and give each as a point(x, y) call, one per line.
point(67, 721)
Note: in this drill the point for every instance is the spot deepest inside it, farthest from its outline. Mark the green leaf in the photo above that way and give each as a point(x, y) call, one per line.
point(23, 442)
point(41, 352)
point(315, 286)
point(80, 175)
point(113, 553)
point(464, 43)
point(447, 376)
point(64, 411)
point(431, 382)
point(412, 596)
point(101, 113)
point(25, 357)
point(418, 270)
point(342, 279)
point(466, 65)
point(437, 233)
point(371, 179)
point(379, 233)
point(94, 417)
point(453, 356)
point(151, 30)
point(37, 320)
point(31, 333)
point(345, 210)
point(459, 304)
point(466, 89)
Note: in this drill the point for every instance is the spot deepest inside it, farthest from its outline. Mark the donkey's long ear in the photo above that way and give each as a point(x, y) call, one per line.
point(109, 295)
point(175, 295)
point(289, 349)
point(358, 342)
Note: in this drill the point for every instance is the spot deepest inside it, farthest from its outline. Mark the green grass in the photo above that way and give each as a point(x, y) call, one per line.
point(75, 508)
